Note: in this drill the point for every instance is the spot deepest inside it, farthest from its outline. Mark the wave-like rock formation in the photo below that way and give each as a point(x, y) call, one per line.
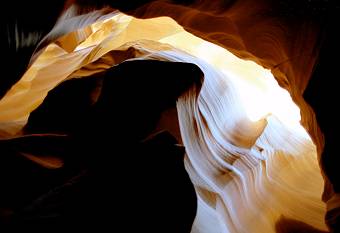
point(254, 167)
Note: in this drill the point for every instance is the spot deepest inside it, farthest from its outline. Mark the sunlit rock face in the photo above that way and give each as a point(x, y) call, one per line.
point(254, 167)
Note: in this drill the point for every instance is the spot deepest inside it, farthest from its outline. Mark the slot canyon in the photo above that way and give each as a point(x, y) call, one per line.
point(203, 116)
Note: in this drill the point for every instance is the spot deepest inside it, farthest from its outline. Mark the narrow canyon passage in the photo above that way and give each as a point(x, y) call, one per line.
point(251, 146)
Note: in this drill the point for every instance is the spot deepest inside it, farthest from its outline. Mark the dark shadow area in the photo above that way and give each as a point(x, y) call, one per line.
point(322, 94)
point(111, 178)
